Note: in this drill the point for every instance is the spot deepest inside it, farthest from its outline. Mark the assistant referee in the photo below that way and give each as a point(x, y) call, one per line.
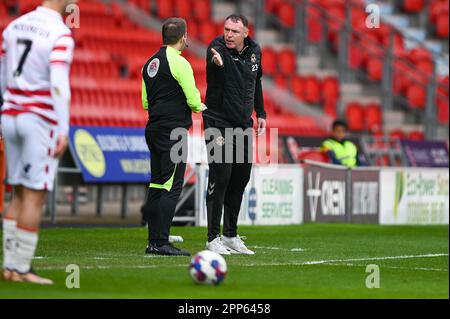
point(169, 94)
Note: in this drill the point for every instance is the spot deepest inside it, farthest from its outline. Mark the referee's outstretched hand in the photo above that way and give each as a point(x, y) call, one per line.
point(217, 58)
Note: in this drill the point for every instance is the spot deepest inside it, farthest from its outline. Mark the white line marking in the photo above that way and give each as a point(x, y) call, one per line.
point(335, 262)
point(374, 258)
point(391, 267)
point(264, 247)
point(277, 248)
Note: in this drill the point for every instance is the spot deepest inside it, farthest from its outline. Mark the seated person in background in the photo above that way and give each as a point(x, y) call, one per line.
point(340, 150)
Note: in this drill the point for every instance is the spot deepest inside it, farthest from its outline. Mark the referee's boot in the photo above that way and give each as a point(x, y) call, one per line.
point(166, 250)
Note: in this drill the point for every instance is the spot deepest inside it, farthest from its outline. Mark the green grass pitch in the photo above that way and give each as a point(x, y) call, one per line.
point(300, 261)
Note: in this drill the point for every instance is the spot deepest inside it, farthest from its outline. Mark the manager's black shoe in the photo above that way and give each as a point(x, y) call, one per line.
point(166, 250)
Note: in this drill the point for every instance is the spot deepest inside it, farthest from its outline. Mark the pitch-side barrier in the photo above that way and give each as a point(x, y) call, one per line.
point(319, 192)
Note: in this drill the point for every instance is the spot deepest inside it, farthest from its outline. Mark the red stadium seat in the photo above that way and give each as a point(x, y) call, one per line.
point(330, 109)
point(317, 156)
point(298, 87)
point(281, 81)
point(268, 104)
point(416, 96)
point(312, 90)
point(286, 13)
point(375, 69)
point(397, 134)
point(314, 27)
point(384, 33)
point(419, 54)
point(442, 101)
point(443, 86)
point(358, 20)
point(442, 26)
point(251, 30)
point(220, 28)
point(192, 29)
point(371, 47)
point(272, 5)
point(374, 117)
point(207, 30)
point(336, 18)
point(165, 8)
point(202, 10)
point(413, 5)
point(183, 8)
point(416, 135)
point(269, 61)
point(442, 110)
point(92, 7)
point(330, 88)
point(355, 116)
point(287, 62)
point(427, 67)
point(289, 124)
point(356, 56)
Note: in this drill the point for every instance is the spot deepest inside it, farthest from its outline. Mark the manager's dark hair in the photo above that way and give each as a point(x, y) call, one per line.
point(339, 123)
point(173, 30)
point(238, 17)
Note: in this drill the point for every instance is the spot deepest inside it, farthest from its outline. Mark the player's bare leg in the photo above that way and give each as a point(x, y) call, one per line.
point(9, 232)
point(27, 236)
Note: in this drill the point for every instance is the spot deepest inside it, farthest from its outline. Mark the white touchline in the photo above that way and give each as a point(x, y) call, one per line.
point(374, 258)
point(304, 263)
point(277, 248)
point(390, 267)
point(263, 247)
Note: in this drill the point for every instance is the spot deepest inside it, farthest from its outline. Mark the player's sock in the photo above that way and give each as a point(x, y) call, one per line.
point(26, 246)
point(9, 243)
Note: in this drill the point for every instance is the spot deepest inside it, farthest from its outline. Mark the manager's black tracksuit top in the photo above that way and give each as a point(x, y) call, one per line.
point(235, 89)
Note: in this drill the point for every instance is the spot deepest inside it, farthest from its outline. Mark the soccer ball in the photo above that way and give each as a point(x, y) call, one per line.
point(208, 267)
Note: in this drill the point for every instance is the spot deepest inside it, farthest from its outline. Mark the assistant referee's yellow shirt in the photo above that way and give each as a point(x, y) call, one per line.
point(345, 152)
point(169, 93)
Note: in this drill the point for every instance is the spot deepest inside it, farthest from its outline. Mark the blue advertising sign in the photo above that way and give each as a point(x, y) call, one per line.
point(426, 153)
point(111, 154)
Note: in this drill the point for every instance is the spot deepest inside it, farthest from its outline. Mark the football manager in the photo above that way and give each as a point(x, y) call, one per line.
point(233, 92)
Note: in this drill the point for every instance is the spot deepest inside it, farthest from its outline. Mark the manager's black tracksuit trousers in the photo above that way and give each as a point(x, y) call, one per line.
point(165, 186)
point(227, 180)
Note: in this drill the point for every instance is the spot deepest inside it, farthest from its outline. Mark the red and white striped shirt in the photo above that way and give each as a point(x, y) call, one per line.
point(37, 52)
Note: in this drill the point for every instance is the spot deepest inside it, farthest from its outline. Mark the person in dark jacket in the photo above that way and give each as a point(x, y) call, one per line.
point(169, 95)
point(233, 92)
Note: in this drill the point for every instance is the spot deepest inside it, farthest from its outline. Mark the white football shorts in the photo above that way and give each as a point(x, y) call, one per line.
point(30, 142)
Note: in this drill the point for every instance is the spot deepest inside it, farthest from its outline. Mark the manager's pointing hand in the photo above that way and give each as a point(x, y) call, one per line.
point(217, 59)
